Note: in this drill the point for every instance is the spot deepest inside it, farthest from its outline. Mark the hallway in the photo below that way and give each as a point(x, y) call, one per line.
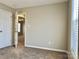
point(21, 41)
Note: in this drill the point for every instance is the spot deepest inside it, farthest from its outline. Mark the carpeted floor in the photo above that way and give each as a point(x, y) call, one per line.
point(30, 53)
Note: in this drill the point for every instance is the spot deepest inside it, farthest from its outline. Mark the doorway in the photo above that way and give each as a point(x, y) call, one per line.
point(19, 30)
point(21, 39)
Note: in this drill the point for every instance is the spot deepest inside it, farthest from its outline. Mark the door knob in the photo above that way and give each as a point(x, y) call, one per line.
point(0, 31)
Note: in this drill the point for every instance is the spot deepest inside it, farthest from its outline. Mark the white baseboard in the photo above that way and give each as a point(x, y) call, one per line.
point(73, 56)
point(70, 56)
point(58, 50)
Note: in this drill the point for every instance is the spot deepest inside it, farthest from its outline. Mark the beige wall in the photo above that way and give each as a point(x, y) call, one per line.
point(47, 26)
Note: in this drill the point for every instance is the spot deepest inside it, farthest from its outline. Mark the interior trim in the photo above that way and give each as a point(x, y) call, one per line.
point(58, 50)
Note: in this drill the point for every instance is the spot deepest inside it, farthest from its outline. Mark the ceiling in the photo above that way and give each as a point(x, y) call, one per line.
point(28, 3)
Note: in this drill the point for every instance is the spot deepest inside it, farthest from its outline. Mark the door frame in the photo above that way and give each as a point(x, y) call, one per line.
point(16, 30)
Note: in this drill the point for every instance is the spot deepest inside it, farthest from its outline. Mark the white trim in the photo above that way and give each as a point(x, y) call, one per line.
point(16, 30)
point(70, 55)
point(25, 32)
point(48, 48)
point(73, 55)
point(26, 24)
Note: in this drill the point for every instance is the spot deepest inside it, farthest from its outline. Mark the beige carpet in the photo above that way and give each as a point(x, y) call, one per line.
point(30, 53)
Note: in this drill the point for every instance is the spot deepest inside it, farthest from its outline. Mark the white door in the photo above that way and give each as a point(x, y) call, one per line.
point(5, 28)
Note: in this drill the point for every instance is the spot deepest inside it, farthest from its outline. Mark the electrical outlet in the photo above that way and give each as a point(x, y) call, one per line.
point(49, 42)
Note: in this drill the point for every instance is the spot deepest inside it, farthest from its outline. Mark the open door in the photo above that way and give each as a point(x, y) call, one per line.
point(5, 28)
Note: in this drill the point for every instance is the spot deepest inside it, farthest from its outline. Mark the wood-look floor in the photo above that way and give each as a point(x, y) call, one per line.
point(30, 53)
point(20, 41)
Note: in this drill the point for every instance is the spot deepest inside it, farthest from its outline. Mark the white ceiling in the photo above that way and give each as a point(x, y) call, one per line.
point(28, 3)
